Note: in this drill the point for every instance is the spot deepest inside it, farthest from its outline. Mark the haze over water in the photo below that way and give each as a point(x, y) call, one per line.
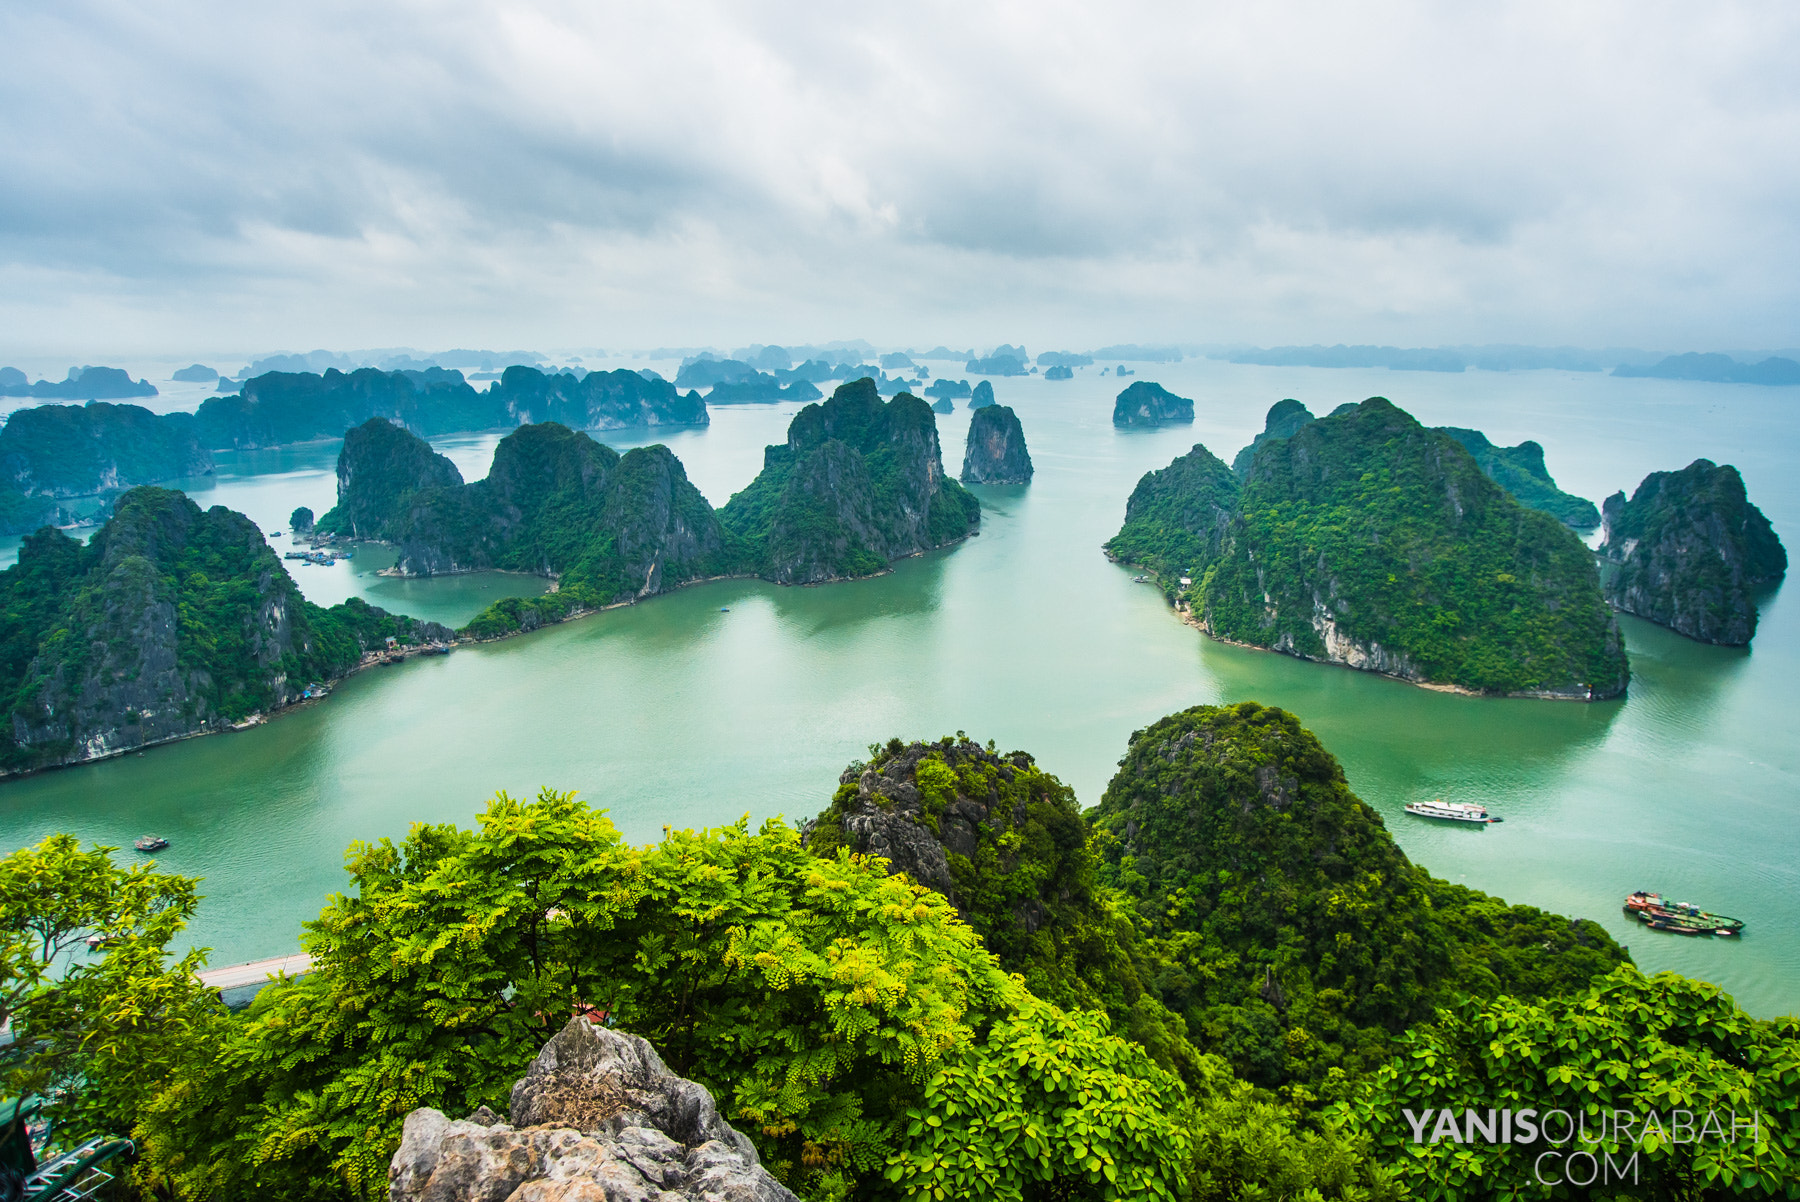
point(741, 698)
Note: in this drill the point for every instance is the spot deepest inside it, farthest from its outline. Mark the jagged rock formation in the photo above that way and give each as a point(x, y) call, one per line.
point(554, 502)
point(996, 452)
point(982, 395)
point(943, 405)
point(1690, 552)
point(858, 484)
point(1520, 471)
point(82, 384)
point(1059, 372)
point(197, 373)
point(597, 1117)
point(1368, 540)
point(53, 453)
point(280, 408)
point(171, 621)
point(944, 388)
point(379, 465)
point(1147, 404)
point(1238, 840)
point(761, 388)
point(1178, 519)
point(1285, 417)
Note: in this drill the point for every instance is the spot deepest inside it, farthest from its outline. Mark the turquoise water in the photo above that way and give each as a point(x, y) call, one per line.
point(741, 698)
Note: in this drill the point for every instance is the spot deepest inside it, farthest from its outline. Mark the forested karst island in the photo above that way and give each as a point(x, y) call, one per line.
point(996, 452)
point(858, 484)
point(169, 622)
point(1519, 470)
point(1146, 404)
point(1690, 552)
point(52, 454)
point(1229, 980)
point(1369, 540)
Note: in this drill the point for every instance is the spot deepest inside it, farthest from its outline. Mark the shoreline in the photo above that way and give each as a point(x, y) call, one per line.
point(1187, 617)
point(386, 658)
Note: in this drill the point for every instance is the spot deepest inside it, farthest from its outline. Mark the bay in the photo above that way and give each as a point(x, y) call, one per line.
point(739, 698)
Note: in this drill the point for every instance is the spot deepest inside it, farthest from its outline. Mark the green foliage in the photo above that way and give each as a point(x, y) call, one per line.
point(1520, 471)
point(845, 495)
point(1177, 519)
point(81, 450)
point(380, 468)
point(1048, 1102)
point(98, 1031)
point(1691, 552)
point(1626, 1044)
point(1300, 939)
point(301, 520)
point(76, 620)
point(1390, 532)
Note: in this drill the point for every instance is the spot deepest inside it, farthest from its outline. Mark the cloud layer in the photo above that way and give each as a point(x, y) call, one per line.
point(215, 176)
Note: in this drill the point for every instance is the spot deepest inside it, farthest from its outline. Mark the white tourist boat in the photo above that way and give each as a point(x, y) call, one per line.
point(1451, 811)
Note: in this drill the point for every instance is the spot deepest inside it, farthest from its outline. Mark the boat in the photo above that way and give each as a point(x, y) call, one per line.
point(1679, 918)
point(149, 842)
point(1452, 811)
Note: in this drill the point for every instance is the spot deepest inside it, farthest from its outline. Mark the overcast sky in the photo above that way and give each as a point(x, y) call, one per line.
point(215, 178)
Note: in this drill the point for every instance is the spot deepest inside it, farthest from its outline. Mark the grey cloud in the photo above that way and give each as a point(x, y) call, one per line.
point(1273, 173)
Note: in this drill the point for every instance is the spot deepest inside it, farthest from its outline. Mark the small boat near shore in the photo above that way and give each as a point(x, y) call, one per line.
point(1452, 811)
point(149, 843)
point(1679, 918)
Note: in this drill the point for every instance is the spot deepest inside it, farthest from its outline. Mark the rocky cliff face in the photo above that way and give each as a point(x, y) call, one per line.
point(81, 450)
point(1178, 519)
point(858, 484)
point(170, 622)
point(1369, 540)
point(601, 400)
point(380, 466)
point(995, 453)
point(1689, 551)
point(598, 1117)
point(554, 502)
point(1147, 404)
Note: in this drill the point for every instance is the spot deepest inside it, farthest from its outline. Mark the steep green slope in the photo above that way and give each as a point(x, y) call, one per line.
point(1285, 417)
point(379, 467)
point(1370, 540)
point(52, 452)
point(169, 621)
point(1004, 841)
point(1520, 471)
point(1692, 552)
point(1178, 519)
point(858, 484)
point(1300, 936)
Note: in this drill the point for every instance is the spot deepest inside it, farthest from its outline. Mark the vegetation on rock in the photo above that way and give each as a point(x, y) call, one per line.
point(169, 621)
point(1146, 404)
point(1367, 539)
point(858, 484)
point(995, 452)
point(1300, 938)
point(1520, 471)
point(1691, 552)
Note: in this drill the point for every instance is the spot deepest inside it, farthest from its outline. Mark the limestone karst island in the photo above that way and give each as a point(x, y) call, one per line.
point(729, 603)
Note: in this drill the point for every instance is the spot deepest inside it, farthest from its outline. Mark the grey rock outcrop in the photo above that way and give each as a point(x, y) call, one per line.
point(996, 452)
point(982, 395)
point(1147, 404)
point(597, 1117)
point(1689, 551)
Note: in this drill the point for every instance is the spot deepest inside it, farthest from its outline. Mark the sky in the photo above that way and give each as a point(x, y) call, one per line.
point(227, 178)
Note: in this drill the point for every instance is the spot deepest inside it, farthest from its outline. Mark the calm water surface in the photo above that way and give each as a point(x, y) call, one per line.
point(742, 698)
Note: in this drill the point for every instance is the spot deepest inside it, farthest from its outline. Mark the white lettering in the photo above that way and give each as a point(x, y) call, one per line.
point(1446, 1125)
point(1677, 1126)
point(1593, 1164)
point(1417, 1124)
point(1526, 1131)
point(1626, 1121)
point(1568, 1132)
point(1712, 1121)
point(1537, 1168)
point(1754, 1127)
point(1653, 1121)
point(1472, 1123)
point(1616, 1172)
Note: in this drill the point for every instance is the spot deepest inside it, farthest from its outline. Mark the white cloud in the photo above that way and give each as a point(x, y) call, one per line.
point(223, 176)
